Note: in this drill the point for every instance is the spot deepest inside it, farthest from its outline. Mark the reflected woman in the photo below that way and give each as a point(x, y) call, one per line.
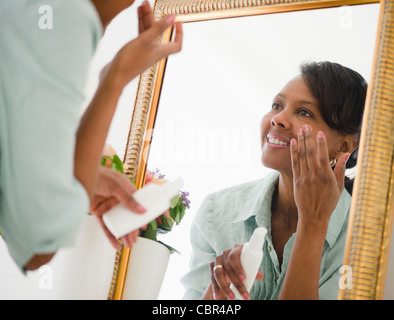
point(307, 137)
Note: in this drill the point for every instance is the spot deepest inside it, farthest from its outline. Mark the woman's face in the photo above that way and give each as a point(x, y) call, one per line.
point(292, 108)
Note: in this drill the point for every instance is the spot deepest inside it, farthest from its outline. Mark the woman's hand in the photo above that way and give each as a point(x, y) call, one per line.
point(113, 188)
point(317, 188)
point(227, 269)
point(143, 52)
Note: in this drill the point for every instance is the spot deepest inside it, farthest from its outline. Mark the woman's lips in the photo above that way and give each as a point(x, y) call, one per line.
point(277, 141)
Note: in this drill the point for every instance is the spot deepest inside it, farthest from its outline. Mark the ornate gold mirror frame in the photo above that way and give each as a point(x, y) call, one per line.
point(371, 211)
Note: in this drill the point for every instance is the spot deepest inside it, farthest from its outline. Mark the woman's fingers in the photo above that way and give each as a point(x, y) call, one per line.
point(157, 29)
point(310, 150)
point(309, 154)
point(303, 165)
point(218, 293)
point(176, 45)
point(130, 238)
point(295, 163)
point(322, 151)
point(108, 233)
point(220, 277)
point(235, 271)
point(340, 169)
point(215, 287)
point(145, 17)
point(227, 270)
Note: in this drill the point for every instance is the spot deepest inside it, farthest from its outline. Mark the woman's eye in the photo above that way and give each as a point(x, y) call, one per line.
point(305, 113)
point(275, 106)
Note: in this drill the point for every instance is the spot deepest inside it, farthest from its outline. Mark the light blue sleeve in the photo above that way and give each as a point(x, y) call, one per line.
point(42, 80)
point(201, 237)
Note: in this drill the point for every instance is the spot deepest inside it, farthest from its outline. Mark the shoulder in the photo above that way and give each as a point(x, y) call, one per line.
point(48, 44)
point(52, 15)
point(41, 28)
point(76, 28)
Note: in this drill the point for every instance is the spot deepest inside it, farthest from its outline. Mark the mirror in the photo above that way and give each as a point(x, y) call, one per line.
point(215, 92)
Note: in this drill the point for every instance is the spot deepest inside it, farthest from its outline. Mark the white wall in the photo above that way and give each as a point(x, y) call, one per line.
point(214, 95)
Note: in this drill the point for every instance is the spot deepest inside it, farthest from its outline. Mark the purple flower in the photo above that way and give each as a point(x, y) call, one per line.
point(185, 200)
point(157, 174)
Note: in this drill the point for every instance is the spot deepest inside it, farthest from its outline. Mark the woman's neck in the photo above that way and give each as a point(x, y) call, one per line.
point(283, 204)
point(284, 216)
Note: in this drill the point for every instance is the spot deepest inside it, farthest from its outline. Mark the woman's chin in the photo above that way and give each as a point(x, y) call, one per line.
point(276, 164)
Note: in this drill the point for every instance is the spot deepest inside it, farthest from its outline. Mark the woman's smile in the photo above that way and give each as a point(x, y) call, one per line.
point(277, 141)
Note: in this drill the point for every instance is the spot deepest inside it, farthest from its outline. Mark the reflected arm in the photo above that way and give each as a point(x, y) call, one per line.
point(302, 275)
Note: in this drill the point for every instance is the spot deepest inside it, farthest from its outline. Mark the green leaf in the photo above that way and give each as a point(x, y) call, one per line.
point(152, 225)
point(178, 213)
point(167, 222)
point(150, 231)
point(117, 164)
point(182, 210)
point(174, 201)
point(149, 234)
point(174, 214)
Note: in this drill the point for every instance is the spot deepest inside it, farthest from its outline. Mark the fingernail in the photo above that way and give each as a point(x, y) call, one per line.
point(126, 242)
point(231, 296)
point(170, 19)
point(320, 134)
point(307, 128)
point(241, 277)
point(300, 132)
point(293, 142)
point(245, 296)
point(140, 208)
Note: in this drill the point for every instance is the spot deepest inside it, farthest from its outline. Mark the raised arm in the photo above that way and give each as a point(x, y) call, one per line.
point(317, 189)
point(130, 61)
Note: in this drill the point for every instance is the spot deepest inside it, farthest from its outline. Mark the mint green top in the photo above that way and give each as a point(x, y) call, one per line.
point(228, 217)
point(42, 81)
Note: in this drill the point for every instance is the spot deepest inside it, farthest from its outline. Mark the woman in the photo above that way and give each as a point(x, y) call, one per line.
point(41, 209)
point(307, 138)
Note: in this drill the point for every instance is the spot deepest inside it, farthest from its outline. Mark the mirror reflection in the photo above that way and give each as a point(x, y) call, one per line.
point(215, 94)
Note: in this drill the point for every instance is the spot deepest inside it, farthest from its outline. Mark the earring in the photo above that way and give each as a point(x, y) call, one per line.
point(333, 162)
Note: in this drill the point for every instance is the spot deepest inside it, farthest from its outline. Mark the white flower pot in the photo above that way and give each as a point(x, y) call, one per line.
point(147, 267)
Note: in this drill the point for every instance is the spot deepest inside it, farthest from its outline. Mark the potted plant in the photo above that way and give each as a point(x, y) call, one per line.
point(149, 256)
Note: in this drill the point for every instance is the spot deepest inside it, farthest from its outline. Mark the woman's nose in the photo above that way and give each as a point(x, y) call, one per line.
point(280, 120)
